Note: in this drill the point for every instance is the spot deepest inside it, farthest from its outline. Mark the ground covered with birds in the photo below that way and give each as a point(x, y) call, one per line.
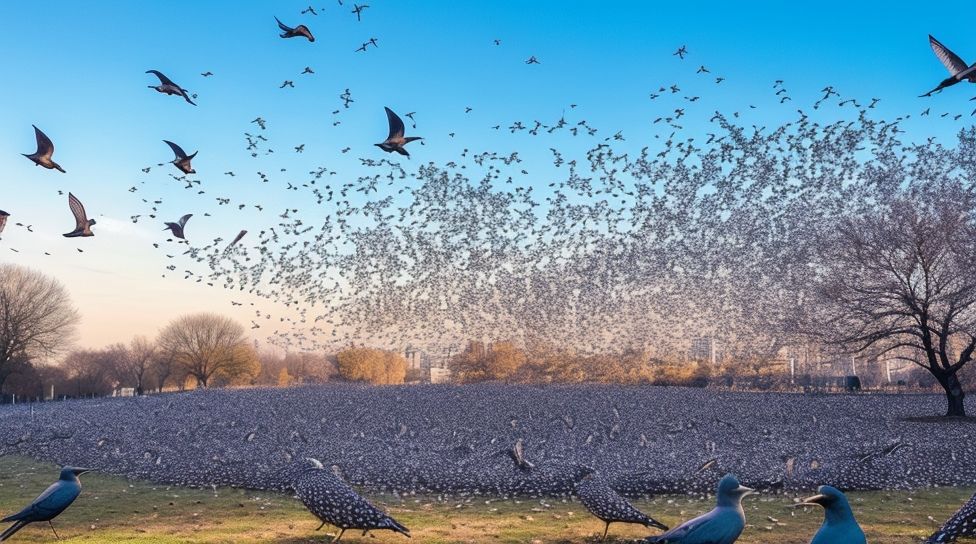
point(504, 440)
point(113, 509)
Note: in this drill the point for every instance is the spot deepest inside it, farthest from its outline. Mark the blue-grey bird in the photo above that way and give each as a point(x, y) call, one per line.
point(839, 526)
point(961, 524)
point(300, 30)
point(82, 223)
point(177, 228)
point(166, 86)
point(45, 149)
point(334, 502)
point(722, 525)
point(3, 220)
point(182, 160)
point(396, 141)
point(958, 69)
point(49, 504)
point(603, 502)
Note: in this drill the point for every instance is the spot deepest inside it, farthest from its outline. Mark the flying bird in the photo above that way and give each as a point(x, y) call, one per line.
point(177, 228)
point(49, 504)
point(722, 525)
point(166, 86)
point(300, 30)
point(958, 69)
point(839, 526)
point(82, 223)
point(45, 149)
point(3, 220)
point(182, 160)
point(681, 52)
point(236, 239)
point(532, 60)
point(358, 10)
point(396, 140)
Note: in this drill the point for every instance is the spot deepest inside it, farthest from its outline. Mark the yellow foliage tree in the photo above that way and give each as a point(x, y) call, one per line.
point(374, 366)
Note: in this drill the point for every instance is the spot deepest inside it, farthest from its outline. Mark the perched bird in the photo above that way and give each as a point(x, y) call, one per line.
point(49, 504)
point(958, 69)
point(45, 149)
point(961, 524)
point(300, 30)
point(839, 526)
point(603, 502)
point(82, 223)
point(182, 160)
point(334, 502)
point(396, 140)
point(722, 525)
point(166, 86)
point(177, 228)
point(3, 220)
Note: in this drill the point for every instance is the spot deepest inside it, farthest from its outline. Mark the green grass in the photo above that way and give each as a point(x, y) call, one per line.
point(113, 509)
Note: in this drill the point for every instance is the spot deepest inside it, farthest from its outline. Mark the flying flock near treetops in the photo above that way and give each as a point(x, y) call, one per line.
point(470, 251)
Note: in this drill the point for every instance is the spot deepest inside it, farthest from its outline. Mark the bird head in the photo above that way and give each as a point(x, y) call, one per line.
point(833, 501)
point(72, 473)
point(730, 491)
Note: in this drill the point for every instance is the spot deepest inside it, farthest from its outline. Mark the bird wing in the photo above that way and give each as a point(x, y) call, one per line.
point(283, 26)
point(48, 504)
point(396, 124)
point(180, 154)
point(184, 219)
point(44, 144)
point(78, 209)
point(162, 79)
point(237, 238)
point(3, 220)
point(950, 60)
point(689, 532)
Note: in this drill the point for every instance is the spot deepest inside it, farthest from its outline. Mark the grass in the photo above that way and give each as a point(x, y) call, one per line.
point(113, 509)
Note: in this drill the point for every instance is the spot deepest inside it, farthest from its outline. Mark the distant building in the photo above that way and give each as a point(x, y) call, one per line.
point(705, 349)
point(415, 358)
point(440, 375)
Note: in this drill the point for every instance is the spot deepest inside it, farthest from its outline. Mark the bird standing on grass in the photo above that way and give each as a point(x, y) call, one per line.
point(961, 524)
point(49, 504)
point(722, 525)
point(839, 526)
point(603, 502)
point(334, 502)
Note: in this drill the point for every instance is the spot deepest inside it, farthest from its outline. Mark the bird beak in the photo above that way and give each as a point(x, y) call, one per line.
point(80, 471)
point(811, 501)
point(747, 490)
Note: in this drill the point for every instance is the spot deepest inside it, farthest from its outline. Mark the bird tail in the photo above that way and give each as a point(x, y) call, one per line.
point(12, 529)
point(940, 536)
point(393, 525)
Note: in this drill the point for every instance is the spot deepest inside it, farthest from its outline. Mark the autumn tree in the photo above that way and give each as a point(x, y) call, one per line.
point(209, 346)
point(36, 317)
point(496, 362)
point(896, 280)
point(374, 366)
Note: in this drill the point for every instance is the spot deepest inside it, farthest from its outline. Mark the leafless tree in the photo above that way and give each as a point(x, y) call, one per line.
point(207, 346)
point(135, 363)
point(897, 281)
point(36, 317)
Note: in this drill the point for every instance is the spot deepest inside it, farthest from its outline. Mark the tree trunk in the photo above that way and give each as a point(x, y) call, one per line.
point(955, 396)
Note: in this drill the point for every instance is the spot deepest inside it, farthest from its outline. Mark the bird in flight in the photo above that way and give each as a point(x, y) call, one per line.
point(681, 52)
point(532, 60)
point(358, 10)
point(182, 160)
point(49, 504)
point(300, 30)
point(236, 239)
point(82, 223)
point(177, 228)
point(3, 220)
point(396, 140)
point(958, 69)
point(207, 74)
point(166, 86)
point(309, 9)
point(45, 149)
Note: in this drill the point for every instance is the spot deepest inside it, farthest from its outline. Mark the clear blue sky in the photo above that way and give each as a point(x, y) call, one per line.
point(76, 70)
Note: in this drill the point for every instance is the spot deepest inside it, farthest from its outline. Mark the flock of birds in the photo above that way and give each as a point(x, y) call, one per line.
point(466, 444)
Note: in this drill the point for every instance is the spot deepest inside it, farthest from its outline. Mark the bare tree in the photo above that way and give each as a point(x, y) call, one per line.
point(207, 346)
point(36, 317)
point(135, 362)
point(897, 281)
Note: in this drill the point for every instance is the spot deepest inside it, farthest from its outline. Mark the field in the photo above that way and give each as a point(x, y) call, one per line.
point(113, 509)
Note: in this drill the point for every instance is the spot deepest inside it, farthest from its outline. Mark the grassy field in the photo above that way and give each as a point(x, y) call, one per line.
point(113, 509)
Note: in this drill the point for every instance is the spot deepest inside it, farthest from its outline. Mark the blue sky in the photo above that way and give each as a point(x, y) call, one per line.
point(77, 72)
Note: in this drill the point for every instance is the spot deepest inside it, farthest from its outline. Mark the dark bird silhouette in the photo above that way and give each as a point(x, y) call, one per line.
point(358, 10)
point(3, 220)
point(49, 504)
point(681, 52)
point(236, 239)
point(396, 140)
point(334, 502)
point(166, 86)
point(300, 30)
point(82, 223)
point(177, 228)
point(532, 60)
point(958, 69)
point(45, 149)
point(604, 503)
point(182, 160)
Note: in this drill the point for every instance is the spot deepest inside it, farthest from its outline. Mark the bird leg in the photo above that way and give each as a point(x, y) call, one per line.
point(338, 537)
point(320, 526)
point(606, 530)
point(51, 523)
